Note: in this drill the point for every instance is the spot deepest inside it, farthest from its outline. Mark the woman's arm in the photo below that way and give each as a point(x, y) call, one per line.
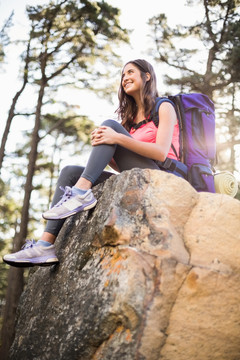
point(156, 151)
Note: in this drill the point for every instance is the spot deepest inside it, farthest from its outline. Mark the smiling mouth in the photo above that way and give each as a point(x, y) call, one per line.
point(126, 85)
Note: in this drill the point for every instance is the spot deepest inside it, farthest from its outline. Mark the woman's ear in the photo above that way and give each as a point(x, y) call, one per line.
point(148, 76)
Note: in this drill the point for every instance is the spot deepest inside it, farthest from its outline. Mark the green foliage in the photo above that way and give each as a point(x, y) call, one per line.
point(70, 42)
point(77, 128)
point(9, 212)
point(70, 33)
point(4, 39)
point(217, 35)
point(205, 57)
point(232, 59)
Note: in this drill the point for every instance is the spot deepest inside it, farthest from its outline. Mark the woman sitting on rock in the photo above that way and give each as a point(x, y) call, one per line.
point(135, 143)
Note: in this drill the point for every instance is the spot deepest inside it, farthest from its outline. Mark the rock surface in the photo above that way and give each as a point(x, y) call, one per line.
point(153, 272)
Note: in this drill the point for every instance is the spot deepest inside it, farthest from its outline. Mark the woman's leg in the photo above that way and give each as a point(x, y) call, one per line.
point(125, 159)
point(40, 254)
point(43, 252)
point(68, 177)
point(80, 197)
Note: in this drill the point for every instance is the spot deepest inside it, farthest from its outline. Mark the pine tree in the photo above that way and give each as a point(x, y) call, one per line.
point(66, 36)
point(204, 57)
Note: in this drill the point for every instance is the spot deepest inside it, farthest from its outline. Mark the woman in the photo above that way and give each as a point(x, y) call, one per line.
point(136, 142)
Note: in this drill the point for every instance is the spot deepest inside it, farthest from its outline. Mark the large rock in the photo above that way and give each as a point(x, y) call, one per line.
point(153, 272)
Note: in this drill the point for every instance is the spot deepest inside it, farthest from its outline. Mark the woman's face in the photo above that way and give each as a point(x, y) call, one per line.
point(131, 79)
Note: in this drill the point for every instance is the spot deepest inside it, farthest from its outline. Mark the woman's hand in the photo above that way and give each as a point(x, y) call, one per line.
point(104, 135)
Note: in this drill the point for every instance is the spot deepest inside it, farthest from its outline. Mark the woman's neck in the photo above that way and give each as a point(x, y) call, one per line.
point(140, 115)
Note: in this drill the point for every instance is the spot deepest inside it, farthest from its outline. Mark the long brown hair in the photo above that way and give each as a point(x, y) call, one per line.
point(127, 109)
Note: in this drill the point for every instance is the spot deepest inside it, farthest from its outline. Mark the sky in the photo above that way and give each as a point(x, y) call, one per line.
point(134, 15)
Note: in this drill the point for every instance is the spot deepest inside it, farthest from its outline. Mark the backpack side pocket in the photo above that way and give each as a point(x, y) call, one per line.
point(201, 178)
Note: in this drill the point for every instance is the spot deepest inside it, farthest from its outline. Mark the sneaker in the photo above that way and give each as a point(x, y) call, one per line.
point(32, 255)
point(70, 204)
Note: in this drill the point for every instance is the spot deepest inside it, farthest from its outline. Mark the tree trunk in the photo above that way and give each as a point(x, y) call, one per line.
point(14, 290)
point(8, 124)
point(15, 280)
point(12, 108)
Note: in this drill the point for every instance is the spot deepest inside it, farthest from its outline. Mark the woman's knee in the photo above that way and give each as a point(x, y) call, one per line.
point(112, 124)
point(116, 126)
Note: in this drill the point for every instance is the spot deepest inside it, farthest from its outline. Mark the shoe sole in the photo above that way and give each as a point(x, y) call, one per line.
point(29, 264)
point(73, 212)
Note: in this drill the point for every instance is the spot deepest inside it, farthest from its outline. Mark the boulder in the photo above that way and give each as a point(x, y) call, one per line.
point(152, 272)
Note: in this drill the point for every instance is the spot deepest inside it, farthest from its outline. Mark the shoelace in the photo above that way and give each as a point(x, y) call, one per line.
point(29, 243)
point(67, 194)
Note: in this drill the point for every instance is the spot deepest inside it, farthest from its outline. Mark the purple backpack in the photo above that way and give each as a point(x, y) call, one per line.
point(196, 116)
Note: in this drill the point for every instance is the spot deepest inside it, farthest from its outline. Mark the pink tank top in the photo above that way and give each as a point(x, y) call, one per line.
point(148, 133)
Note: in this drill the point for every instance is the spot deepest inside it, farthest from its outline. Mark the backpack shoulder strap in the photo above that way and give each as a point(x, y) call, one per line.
point(154, 114)
point(155, 118)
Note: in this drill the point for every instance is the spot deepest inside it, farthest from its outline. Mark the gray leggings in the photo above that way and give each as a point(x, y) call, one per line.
point(98, 160)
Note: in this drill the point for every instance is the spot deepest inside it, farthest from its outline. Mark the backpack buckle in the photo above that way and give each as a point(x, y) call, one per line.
point(167, 163)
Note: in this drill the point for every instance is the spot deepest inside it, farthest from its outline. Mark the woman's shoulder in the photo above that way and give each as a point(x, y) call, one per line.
point(163, 100)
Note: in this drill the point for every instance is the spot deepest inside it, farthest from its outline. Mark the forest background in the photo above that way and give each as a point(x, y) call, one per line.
point(60, 65)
